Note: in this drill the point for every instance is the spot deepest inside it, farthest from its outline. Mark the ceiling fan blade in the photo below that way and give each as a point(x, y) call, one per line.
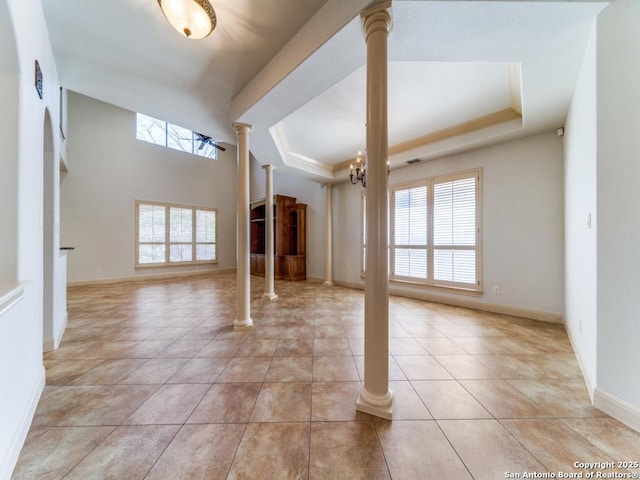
point(204, 139)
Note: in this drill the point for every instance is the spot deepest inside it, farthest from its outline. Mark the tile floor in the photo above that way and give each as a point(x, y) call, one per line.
point(152, 382)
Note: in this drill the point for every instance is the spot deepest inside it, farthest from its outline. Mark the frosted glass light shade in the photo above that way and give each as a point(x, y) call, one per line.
point(192, 18)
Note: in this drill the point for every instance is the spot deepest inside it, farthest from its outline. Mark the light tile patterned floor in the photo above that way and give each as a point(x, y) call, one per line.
point(152, 382)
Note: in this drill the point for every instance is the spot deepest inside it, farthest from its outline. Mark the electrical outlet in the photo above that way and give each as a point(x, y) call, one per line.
point(496, 289)
point(98, 270)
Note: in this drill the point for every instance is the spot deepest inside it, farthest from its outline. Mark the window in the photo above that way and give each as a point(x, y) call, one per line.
point(410, 233)
point(156, 131)
point(174, 234)
point(435, 231)
point(455, 231)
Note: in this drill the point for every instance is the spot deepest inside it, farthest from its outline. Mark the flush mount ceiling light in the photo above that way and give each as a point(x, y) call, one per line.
point(192, 18)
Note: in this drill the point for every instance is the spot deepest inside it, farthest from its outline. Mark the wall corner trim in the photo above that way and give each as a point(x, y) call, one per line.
point(589, 383)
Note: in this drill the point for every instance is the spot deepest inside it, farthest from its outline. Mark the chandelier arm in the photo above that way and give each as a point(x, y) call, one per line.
point(360, 170)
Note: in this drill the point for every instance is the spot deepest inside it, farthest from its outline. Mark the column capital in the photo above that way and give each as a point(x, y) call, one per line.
point(269, 168)
point(377, 18)
point(242, 127)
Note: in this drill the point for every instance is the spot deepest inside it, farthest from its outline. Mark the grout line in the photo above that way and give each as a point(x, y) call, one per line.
point(187, 316)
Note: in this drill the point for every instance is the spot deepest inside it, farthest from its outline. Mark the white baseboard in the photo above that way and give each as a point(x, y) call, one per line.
point(581, 363)
point(58, 336)
point(618, 409)
point(51, 344)
point(343, 283)
point(429, 296)
point(153, 276)
point(10, 458)
point(313, 279)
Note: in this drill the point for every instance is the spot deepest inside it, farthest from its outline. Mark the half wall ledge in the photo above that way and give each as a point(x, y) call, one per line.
point(11, 292)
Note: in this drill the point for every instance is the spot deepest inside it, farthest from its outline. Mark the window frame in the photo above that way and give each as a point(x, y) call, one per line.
point(409, 246)
point(430, 280)
point(167, 243)
point(168, 143)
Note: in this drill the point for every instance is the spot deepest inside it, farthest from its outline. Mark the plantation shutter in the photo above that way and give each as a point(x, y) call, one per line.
point(409, 255)
point(151, 234)
point(455, 231)
point(205, 235)
point(174, 234)
point(181, 234)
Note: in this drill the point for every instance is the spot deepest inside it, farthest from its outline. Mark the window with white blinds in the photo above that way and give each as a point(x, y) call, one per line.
point(435, 235)
point(409, 249)
point(174, 234)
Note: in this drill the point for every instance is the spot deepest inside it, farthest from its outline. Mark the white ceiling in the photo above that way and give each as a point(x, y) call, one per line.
point(294, 70)
point(126, 53)
point(423, 97)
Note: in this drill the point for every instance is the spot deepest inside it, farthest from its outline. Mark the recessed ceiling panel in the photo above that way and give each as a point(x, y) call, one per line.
point(423, 97)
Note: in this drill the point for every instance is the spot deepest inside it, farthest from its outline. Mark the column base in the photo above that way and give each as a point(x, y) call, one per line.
point(241, 325)
point(377, 405)
point(270, 296)
point(328, 283)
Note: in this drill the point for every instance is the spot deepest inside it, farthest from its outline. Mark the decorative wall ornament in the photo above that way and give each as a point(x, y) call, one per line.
point(38, 80)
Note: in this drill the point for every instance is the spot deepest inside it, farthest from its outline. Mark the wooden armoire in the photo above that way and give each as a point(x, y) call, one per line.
point(289, 235)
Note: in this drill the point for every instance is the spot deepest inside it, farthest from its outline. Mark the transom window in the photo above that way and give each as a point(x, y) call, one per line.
point(174, 234)
point(435, 231)
point(152, 130)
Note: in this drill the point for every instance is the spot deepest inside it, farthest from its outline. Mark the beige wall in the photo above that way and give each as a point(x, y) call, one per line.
point(109, 169)
point(522, 220)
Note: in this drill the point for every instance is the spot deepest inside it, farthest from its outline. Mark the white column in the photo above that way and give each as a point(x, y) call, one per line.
point(243, 316)
point(268, 233)
point(375, 396)
point(328, 257)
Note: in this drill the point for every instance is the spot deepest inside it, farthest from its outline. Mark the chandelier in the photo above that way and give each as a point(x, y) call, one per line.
point(192, 18)
point(360, 172)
